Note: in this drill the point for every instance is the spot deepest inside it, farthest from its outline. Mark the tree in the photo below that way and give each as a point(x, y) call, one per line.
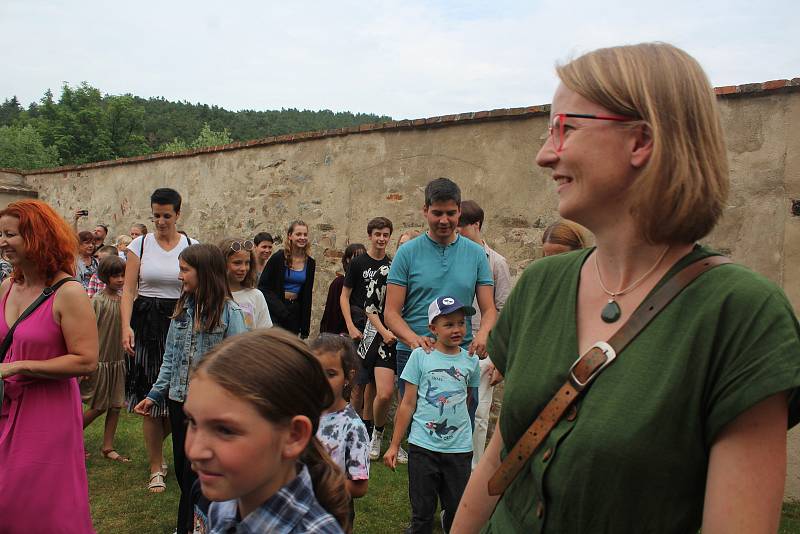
point(10, 111)
point(126, 126)
point(85, 125)
point(21, 147)
point(209, 137)
point(206, 137)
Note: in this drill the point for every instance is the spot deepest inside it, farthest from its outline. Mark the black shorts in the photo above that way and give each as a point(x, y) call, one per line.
point(378, 354)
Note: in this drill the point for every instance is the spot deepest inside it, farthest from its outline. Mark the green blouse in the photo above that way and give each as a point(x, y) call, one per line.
point(635, 457)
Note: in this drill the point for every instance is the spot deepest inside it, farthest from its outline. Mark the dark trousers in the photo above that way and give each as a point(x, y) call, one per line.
point(294, 319)
point(431, 475)
point(183, 470)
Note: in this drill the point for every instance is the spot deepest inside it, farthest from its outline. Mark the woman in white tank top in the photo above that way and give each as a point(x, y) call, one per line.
point(148, 301)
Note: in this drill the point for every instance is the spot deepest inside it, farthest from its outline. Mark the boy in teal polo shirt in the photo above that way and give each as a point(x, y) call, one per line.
point(440, 443)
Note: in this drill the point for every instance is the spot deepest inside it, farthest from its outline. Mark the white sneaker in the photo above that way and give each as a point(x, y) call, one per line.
point(402, 456)
point(375, 445)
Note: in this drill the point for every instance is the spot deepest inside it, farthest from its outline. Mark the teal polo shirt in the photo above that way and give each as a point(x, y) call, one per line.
point(429, 270)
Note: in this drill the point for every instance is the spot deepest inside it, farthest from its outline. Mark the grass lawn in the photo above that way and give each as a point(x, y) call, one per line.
point(121, 503)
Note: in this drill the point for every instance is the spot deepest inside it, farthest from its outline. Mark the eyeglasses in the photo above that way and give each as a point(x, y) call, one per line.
point(236, 246)
point(556, 128)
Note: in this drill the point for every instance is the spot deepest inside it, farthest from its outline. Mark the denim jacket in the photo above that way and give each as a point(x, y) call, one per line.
point(173, 377)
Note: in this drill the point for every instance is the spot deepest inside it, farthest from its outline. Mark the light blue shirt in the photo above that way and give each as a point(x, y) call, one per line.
point(429, 270)
point(441, 421)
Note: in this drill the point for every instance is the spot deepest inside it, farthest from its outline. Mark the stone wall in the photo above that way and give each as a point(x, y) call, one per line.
point(336, 181)
point(12, 187)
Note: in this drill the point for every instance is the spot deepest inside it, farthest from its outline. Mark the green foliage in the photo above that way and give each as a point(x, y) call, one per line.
point(84, 125)
point(21, 148)
point(207, 137)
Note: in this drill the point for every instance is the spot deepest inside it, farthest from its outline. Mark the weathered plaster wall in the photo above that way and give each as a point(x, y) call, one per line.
point(12, 187)
point(337, 183)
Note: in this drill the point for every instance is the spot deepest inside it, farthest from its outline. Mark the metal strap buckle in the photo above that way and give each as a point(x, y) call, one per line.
point(611, 355)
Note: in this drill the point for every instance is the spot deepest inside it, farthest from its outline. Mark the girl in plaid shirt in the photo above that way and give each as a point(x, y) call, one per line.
point(253, 408)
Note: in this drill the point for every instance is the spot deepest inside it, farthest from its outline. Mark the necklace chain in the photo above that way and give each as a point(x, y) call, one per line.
point(614, 294)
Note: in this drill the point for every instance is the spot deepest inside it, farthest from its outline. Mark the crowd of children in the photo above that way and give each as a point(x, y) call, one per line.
point(304, 439)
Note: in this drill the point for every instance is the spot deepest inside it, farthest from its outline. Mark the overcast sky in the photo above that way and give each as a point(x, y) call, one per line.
point(405, 58)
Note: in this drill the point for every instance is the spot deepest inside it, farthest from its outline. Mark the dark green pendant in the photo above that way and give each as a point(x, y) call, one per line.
point(611, 312)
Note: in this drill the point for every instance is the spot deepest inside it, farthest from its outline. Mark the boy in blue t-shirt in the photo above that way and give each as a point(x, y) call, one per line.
point(438, 385)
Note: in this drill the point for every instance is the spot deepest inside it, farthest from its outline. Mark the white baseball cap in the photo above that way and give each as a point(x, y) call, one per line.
point(445, 305)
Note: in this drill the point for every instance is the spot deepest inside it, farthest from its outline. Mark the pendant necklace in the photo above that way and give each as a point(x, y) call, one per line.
point(611, 312)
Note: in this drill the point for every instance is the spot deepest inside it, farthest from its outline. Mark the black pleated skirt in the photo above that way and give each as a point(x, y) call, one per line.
point(150, 321)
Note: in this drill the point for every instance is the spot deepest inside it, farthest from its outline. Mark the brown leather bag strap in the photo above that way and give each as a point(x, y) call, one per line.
point(587, 367)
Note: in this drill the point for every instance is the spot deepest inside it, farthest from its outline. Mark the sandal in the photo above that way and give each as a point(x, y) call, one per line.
point(156, 484)
point(114, 456)
point(164, 469)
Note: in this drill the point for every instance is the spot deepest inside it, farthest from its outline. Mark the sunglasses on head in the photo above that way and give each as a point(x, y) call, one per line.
point(247, 245)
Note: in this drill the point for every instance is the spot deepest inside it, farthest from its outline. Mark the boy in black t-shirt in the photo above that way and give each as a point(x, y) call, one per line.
point(365, 291)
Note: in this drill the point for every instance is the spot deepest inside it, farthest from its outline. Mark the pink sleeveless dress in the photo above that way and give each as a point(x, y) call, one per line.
point(43, 485)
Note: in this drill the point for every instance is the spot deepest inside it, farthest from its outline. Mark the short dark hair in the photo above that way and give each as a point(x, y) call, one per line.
point(378, 223)
point(263, 236)
point(471, 213)
point(85, 236)
point(108, 249)
point(166, 196)
point(110, 266)
point(352, 250)
point(442, 190)
point(103, 226)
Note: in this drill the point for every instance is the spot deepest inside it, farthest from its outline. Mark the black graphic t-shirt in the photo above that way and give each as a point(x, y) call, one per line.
point(367, 278)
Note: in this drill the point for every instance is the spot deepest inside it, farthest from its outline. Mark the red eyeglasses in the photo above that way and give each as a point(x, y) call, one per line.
point(556, 127)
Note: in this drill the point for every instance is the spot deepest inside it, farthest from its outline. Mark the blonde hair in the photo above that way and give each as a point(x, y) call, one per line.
point(123, 240)
point(412, 233)
point(281, 378)
point(681, 191)
point(567, 233)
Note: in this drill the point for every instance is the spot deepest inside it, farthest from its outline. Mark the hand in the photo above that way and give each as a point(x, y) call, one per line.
point(8, 370)
point(127, 340)
point(478, 345)
point(426, 343)
point(497, 377)
point(78, 214)
point(390, 458)
point(389, 338)
point(354, 333)
point(144, 407)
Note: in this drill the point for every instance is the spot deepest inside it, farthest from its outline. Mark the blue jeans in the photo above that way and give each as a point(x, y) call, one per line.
point(402, 359)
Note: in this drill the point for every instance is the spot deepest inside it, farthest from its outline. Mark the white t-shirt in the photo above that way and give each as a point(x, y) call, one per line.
point(158, 271)
point(254, 307)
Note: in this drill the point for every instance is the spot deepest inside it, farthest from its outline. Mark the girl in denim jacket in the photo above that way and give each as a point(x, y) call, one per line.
point(204, 315)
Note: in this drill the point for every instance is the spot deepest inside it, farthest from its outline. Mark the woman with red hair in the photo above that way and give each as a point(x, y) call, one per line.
point(43, 485)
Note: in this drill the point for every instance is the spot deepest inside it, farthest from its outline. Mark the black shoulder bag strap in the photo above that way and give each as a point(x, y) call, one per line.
point(47, 292)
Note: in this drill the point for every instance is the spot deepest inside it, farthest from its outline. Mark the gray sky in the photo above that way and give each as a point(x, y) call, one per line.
point(407, 59)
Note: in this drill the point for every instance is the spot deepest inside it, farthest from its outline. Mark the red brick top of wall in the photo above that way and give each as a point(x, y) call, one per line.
point(729, 91)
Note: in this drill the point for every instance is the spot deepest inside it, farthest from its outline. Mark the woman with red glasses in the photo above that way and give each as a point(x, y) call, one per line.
point(686, 428)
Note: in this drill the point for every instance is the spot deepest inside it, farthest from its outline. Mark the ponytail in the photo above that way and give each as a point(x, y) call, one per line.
point(328, 480)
